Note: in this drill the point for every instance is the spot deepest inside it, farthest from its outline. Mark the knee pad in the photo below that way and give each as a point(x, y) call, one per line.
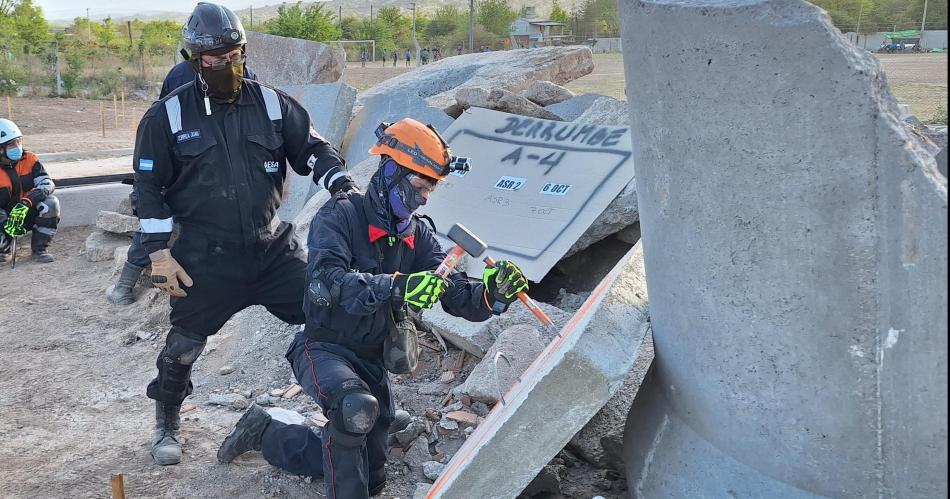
point(50, 208)
point(182, 347)
point(353, 413)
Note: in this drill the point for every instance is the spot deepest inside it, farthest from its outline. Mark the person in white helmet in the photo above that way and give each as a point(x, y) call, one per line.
point(26, 197)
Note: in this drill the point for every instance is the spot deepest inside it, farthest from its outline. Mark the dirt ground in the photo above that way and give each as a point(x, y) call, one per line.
point(73, 371)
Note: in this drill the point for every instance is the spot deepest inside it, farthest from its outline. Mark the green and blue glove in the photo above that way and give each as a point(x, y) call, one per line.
point(421, 290)
point(503, 282)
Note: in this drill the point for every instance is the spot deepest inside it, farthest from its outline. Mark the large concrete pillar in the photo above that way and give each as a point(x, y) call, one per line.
point(795, 242)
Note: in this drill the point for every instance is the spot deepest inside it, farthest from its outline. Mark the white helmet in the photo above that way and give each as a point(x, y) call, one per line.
point(8, 131)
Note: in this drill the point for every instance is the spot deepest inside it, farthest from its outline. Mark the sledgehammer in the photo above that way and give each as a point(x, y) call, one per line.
point(467, 242)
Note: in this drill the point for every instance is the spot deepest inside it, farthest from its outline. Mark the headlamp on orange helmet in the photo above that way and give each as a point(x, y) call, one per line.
point(419, 148)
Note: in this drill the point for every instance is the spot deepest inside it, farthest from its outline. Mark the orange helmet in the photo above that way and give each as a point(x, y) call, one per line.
point(417, 147)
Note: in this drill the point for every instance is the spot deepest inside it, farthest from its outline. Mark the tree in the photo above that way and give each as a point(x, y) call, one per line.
point(160, 37)
point(312, 23)
point(31, 27)
point(496, 16)
point(558, 14)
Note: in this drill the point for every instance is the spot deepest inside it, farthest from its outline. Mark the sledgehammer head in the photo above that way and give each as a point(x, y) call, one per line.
point(467, 241)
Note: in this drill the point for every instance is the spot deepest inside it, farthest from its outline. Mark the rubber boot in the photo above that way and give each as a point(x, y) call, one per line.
point(121, 292)
point(40, 246)
point(246, 435)
point(166, 449)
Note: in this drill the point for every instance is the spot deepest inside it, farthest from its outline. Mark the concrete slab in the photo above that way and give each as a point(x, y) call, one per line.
point(80, 205)
point(329, 106)
point(795, 237)
point(577, 373)
point(545, 93)
point(502, 100)
point(62, 169)
point(548, 180)
point(291, 61)
point(488, 381)
point(360, 135)
point(570, 109)
point(511, 70)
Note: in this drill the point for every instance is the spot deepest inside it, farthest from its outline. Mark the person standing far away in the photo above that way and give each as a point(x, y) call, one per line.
point(363, 57)
point(212, 157)
point(408, 58)
point(385, 58)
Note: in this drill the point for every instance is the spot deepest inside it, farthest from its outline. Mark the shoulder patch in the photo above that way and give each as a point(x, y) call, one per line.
point(145, 165)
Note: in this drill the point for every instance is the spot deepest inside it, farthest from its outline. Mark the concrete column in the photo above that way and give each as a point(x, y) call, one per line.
point(795, 242)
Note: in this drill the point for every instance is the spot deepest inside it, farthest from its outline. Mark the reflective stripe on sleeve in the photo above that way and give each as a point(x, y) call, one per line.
point(173, 109)
point(156, 225)
point(273, 103)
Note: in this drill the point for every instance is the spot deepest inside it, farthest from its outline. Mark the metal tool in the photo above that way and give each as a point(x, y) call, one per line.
point(13, 252)
point(467, 242)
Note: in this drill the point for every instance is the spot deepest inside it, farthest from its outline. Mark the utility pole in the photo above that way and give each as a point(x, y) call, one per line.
point(471, 26)
point(371, 13)
point(923, 20)
point(129, 25)
point(88, 24)
point(860, 15)
point(252, 17)
point(339, 17)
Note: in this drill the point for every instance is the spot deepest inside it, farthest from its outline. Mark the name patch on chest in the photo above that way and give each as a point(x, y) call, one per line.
point(271, 166)
point(188, 135)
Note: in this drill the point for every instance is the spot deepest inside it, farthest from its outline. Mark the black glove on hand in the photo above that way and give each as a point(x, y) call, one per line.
point(503, 282)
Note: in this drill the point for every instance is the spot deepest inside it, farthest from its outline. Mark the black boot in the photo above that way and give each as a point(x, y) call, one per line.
point(400, 421)
point(121, 292)
point(246, 435)
point(40, 246)
point(166, 449)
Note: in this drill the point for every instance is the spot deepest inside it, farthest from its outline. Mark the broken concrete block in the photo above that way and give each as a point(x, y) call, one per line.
point(501, 100)
point(117, 223)
point(235, 401)
point(941, 159)
point(417, 455)
point(606, 111)
point(278, 60)
point(120, 255)
point(621, 213)
point(520, 344)
point(601, 440)
point(546, 93)
point(511, 70)
point(360, 134)
point(570, 109)
point(125, 206)
point(578, 372)
point(548, 481)
point(408, 434)
point(329, 106)
point(432, 469)
point(361, 174)
point(518, 313)
point(796, 246)
point(101, 245)
point(473, 337)
point(463, 418)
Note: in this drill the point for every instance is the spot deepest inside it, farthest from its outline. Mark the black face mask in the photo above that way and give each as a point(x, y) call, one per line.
point(223, 84)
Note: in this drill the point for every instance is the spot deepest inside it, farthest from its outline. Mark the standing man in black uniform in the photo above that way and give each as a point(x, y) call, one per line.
point(212, 157)
point(182, 73)
point(371, 260)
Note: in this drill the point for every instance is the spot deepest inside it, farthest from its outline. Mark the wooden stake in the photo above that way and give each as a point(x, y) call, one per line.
point(123, 103)
point(9, 108)
point(115, 110)
point(102, 117)
point(118, 486)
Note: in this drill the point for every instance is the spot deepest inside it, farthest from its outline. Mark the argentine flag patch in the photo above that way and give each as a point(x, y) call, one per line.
point(145, 165)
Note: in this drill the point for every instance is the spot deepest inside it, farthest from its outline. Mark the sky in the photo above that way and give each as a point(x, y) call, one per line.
point(99, 9)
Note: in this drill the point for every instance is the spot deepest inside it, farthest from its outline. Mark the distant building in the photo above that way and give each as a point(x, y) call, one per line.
point(529, 31)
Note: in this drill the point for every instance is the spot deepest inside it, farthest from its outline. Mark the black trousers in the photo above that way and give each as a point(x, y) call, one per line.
point(349, 472)
point(227, 279)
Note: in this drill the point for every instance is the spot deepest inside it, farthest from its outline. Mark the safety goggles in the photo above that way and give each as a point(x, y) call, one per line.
point(204, 42)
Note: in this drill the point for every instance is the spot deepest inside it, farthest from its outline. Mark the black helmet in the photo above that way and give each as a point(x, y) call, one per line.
point(212, 26)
